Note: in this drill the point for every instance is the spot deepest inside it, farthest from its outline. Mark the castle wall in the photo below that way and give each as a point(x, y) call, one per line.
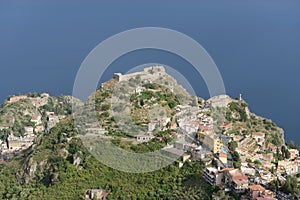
point(146, 74)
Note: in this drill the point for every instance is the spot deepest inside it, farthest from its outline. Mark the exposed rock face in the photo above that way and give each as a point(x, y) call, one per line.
point(76, 159)
point(236, 111)
point(30, 167)
point(247, 112)
point(219, 101)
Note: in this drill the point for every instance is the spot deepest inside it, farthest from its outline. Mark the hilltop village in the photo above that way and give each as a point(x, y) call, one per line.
point(241, 163)
point(243, 154)
point(235, 162)
point(36, 114)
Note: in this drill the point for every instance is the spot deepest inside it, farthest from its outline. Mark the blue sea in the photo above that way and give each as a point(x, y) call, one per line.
point(255, 45)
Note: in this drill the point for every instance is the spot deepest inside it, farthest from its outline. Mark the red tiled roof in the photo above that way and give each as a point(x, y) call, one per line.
point(226, 169)
point(237, 175)
point(226, 125)
point(222, 155)
point(256, 188)
point(240, 178)
point(260, 134)
point(204, 128)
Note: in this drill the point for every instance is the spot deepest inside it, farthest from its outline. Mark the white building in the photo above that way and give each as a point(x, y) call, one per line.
point(37, 119)
point(28, 130)
point(259, 137)
point(212, 176)
point(144, 137)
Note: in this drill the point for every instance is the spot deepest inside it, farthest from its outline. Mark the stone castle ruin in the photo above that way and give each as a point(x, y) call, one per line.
point(149, 73)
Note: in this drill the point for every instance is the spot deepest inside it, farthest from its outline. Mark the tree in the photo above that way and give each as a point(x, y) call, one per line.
point(257, 162)
point(285, 152)
point(142, 102)
point(232, 145)
point(220, 195)
point(291, 186)
point(4, 134)
point(272, 170)
point(292, 145)
point(275, 140)
point(105, 107)
point(283, 149)
point(236, 159)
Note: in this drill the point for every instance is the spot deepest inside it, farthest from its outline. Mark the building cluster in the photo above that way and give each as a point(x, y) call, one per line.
point(53, 119)
point(258, 164)
point(229, 178)
point(13, 144)
point(197, 139)
point(234, 180)
point(39, 101)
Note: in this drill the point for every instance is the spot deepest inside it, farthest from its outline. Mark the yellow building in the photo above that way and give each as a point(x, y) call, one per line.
point(212, 141)
point(294, 153)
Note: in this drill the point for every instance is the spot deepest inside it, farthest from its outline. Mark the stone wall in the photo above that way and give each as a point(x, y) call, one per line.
point(149, 72)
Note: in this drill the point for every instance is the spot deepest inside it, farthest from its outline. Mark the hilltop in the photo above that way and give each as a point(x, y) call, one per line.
point(24, 117)
point(143, 98)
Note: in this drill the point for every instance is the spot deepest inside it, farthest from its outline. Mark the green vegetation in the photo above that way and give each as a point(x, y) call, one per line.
point(150, 146)
point(282, 153)
point(238, 108)
point(153, 95)
point(285, 152)
point(4, 134)
point(232, 145)
point(292, 145)
point(236, 112)
point(58, 166)
point(57, 177)
point(236, 160)
point(15, 116)
point(221, 194)
point(290, 186)
point(61, 105)
point(166, 98)
point(275, 140)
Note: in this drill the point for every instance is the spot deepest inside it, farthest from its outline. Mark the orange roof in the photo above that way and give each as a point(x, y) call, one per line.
point(35, 117)
point(222, 155)
point(261, 134)
point(204, 128)
point(237, 175)
point(226, 125)
point(256, 188)
point(240, 178)
point(226, 169)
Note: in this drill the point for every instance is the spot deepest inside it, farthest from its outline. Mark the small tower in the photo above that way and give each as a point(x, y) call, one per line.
point(240, 97)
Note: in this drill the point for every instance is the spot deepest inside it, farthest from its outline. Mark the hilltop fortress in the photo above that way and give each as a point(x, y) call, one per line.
point(153, 73)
